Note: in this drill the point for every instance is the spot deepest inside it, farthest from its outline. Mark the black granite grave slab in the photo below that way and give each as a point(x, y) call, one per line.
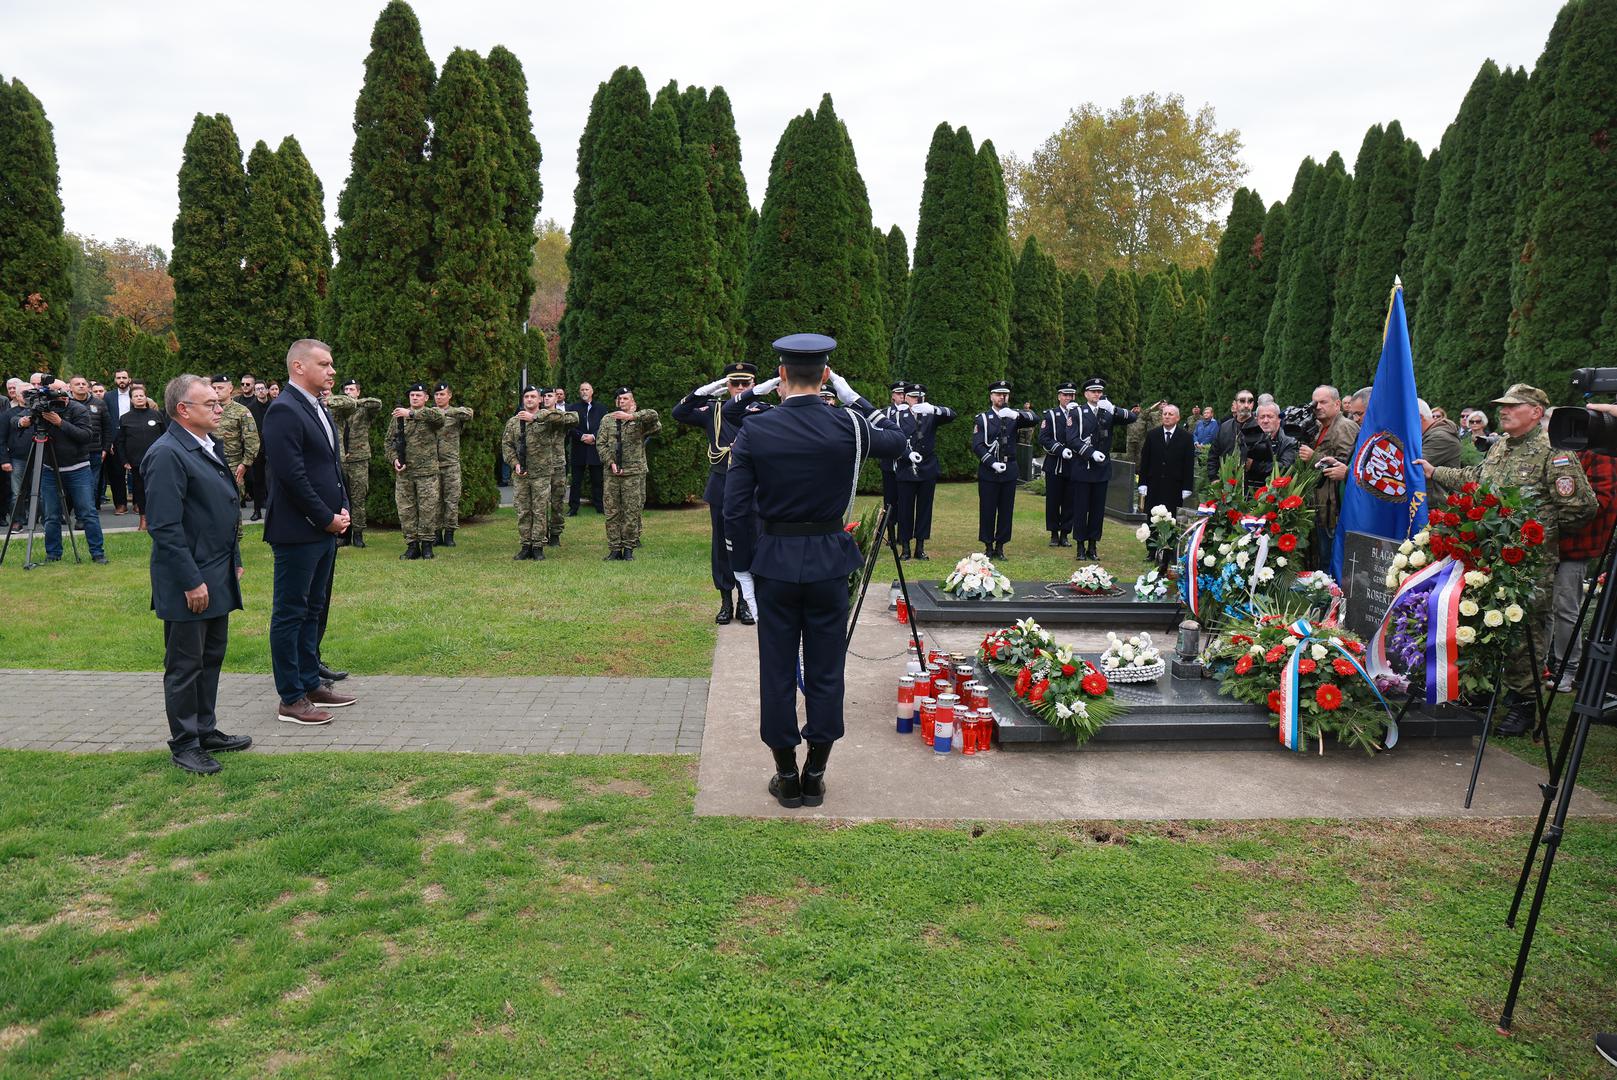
point(1035, 599)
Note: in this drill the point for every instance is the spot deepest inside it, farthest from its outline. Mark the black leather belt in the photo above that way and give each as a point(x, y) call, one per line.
point(802, 528)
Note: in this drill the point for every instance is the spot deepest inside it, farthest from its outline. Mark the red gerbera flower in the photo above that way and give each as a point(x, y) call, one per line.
point(1240, 639)
point(1274, 654)
point(1258, 494)
point(1274, 701)
point(850, 526)
point(1094, 684)
point(1532, 531)
point(1513, 555)
point(1243, 665)
point(1024, 679)
point(1287, 542)
point(1283, 481)
point(1305, 666)
point(1342, 667)
point(1040, 688)
point(1291, 502)
point(1329, 697)
point(1353, 647)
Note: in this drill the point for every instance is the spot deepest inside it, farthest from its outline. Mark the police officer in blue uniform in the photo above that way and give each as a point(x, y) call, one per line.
point(704, 408)
point(1092, 463)
point(916, 473)
point(993, 440)
point(797, 467)
point(897, 403)
point(1058, 435)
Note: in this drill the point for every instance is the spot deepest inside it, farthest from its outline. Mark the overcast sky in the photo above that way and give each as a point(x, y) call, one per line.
point(122, 81)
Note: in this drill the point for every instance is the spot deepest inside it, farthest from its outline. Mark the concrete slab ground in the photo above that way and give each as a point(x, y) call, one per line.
point(877, 774)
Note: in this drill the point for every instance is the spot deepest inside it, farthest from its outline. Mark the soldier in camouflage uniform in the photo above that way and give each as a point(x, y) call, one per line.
point(524, 446)
point(1559, 494)
point(559, 466)
point(354, 416)
point(414, 443)
point(553, 437)
point(621, 441)
point(237, 436)
point(455, 418)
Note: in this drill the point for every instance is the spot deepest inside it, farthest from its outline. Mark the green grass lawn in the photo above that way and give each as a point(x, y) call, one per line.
point(472, 611)
point(345, 915)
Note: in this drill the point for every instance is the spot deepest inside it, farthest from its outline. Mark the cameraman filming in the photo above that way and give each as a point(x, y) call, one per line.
point(75, 436)
point(1329, 451)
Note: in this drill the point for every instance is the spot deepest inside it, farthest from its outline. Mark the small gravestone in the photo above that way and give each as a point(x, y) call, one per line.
point(1365, 562)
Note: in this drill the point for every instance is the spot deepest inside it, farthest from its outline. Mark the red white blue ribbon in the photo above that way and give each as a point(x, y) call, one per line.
point(1190, 564)
point(1443, 584)
point(1291, 729)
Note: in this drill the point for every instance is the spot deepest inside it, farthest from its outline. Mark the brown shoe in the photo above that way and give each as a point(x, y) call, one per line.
point(302, 711)
point(330, 699)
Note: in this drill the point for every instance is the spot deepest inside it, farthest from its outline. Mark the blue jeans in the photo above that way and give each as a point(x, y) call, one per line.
point(302, 587)
point(78, 485)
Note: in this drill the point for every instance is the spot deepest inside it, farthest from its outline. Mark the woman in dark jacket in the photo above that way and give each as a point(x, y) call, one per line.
point(137, 430)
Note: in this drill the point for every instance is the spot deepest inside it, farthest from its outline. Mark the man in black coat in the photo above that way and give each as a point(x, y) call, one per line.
point(139, 428)
point(916, 471)
point(993, 440)
point(1168, 462)
point(704, 408)
point(896, 403)
point(306, 510)
point(1234, 433)
point(1091, 463)
point(117, 401)
point(257, 403)
point(70, 459)
point(192, 509)
point(586, 459)
point(1272, 452)
point(1058, 435)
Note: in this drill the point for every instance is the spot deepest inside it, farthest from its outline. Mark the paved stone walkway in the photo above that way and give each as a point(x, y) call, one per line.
point(98, 711)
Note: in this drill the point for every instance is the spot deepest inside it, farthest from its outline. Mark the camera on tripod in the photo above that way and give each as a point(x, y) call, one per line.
point(1587, 429)
point(43, 399)
point(1301, 423)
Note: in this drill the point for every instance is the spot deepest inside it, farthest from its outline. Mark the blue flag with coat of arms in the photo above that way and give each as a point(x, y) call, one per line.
point(1384, 493)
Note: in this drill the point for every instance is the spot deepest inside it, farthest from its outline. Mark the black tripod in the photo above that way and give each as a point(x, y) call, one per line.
point(1592, 705)
point(42, 446)
point(878, 537)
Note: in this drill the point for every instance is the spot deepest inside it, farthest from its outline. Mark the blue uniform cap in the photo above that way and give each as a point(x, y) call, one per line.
point(1068, 387)
point(1095, 383)
point(804, 348)
point(1000, 387)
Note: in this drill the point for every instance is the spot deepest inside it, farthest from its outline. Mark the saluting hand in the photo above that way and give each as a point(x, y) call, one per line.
point(524, 415)
point(401, 411)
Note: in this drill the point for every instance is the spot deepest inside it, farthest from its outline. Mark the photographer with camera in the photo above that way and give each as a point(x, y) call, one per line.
point(74, 438)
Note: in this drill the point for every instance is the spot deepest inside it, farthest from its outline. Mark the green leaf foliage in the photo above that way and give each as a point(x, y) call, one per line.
point(210, 319)
point(1359, 313)
point(1078, 341)
point(1116, 333)
point(286, 254)
point(516, 169)
point(1418, 239)
point(1296, 215)
point(1035, 362)
point(1162, 367)
point(1304, 359)
point(36, 291)
point(1238, 309)
point(896, 285)
point(581, 246)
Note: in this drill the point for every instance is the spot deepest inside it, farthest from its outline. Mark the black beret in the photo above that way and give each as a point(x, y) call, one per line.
point(620, 391)
point(350, 382)
point(220, 378)
point(440, 386)
point(416, 387)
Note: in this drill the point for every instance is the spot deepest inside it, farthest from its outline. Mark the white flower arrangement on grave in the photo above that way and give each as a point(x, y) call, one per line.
point(1151, 585)
point(1131, 659)
point(1092, 580)
point(974, 578)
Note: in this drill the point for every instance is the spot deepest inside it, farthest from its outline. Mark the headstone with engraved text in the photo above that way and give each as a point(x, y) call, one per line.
point(1365, 562)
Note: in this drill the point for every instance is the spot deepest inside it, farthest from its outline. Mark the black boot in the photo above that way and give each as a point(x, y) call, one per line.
point(359, 537)
point(554, 541)
point(426, 549)
point(412, 550)
point(920, 551)
point(612, 556)
point(448, 538)
point(628, 554)
point(538, 553)
point(1519, 720)
point(743, 612)
point(1055, 539)
point(726, 612)
point(1062, 541)
point(785, 785)
point(523, 552)
point(437, 536)
point(904, 550)
point(813, 779)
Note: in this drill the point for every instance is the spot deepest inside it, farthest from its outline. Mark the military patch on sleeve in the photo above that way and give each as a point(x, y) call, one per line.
point(1564, 486)
point(1562, 460)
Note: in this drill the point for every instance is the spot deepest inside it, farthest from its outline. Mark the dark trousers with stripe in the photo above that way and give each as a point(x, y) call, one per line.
point(1088, 510)
point(889, 495)
point(915, 509)
point(813, 614)
point(723, 579)
point(1057, 503)
point(995, 504)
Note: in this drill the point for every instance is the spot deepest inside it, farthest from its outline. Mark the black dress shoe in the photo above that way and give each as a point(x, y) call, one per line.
point(744, 612)
point(1055, 540)
point(726, 611)
point(920, 552)
point(102, 559)
point(217, 742)
point(257, 516)
point(201, 762)
point(572, 511)
point(328, 673)
point(787, 790)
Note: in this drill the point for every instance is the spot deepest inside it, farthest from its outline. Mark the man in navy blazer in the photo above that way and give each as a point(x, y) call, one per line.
point(191, 513)
point(305, 511)
point(586, 459)
point(793, 473)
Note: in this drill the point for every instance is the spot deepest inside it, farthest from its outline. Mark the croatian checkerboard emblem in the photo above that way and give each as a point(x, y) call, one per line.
point(1380, 467)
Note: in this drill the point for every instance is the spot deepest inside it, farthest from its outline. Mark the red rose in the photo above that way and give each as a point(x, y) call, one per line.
point(1453, 500)
point(1470, 487)
point(1305, 666)
point(1258, 494)
point(1476, 513)
point(1468, 535)
point(850, 526)
point(1234, 516)
point(1342, 667)
point(1094, 684)
point(1532, 532)
point(1490, 500)
point(1291, 502)
point(1243, 665)
point(1024, 679)
point(1283, 481)
point(1329, 697)
point(1513, 555)
point(1274, 701)
point(1068, 669)
point(1270, 516)
point(1040, 688)
point(1233, 480)
point(1287, 542)
point(1505, 511)
point(1274, 654)
point(1240, 639)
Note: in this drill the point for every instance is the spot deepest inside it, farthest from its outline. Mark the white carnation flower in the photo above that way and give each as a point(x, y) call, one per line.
point(1062, 711)
point(1465, 635)
point(1468, 607)
point(1242, 559)
point(1514, 613)
point(1493, 617)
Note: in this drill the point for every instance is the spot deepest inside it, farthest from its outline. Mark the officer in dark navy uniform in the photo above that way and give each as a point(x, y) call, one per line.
point(897, 403)
point(1092, 463)
point(1058, 435)
point(993, 440)
point(704, 408)
point(797, 467)
point(916, 473)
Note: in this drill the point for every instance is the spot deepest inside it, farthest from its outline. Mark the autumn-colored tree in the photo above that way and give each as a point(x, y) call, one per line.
point(548, 270)
point(141, 289)
point(1136, 187)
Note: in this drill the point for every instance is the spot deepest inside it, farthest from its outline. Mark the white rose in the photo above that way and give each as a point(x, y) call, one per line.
point(1514, 613)
point(1143, 533)
point(1500, 592)
point(1242, 559)
point(1208, 560)
point(1290, 642)
point(1423, 538)
point(1224, 549)
point(1465, 635)
point(1418, 559)
point(1468, 607)
point(1317, 651)
point(1493, 617)
point(1476, 578)
point(1256, 650)
point(1392, 579)
point(1400, 561)
point(1405, 548)
point(1280, 561)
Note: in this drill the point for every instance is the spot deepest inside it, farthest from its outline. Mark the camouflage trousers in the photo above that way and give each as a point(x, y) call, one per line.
point(532, 494)
point(241, 498)
point(625, 497)
point(417, 499)
point(449, 495)
point(357, 475)
point(558, 495)
point(1524, 666)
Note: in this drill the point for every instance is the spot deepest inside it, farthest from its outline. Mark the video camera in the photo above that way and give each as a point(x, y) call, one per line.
point(43, 399)
point(1300, 423)
point(1586, 429)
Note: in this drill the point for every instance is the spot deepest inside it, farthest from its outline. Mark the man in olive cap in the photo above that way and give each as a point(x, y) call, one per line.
point(1558, 495)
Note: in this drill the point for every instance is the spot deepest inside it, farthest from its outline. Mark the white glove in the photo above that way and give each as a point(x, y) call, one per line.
point(1097, 457)
point(915, 456)
point(766, 386)
point(1009, 414)
point(998, 466)
point(926, 408)
point(1071, 405)
point(1066, 453)
point(712, 388)
point(1184, 496)
point(903, 406)
point(1142, 489)
point(1105, 405)
point(845, 393)
point(744, 579)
